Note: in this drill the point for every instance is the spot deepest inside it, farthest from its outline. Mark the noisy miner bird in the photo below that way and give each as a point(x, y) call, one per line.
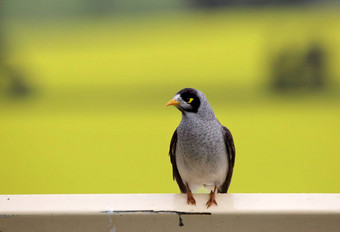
point(202, 151)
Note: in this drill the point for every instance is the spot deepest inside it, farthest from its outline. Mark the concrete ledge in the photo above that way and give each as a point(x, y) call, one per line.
point(169, 212)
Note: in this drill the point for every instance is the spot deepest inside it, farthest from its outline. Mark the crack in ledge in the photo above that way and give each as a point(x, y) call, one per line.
point(154, 212)
point(179, 213)
point(8, 216)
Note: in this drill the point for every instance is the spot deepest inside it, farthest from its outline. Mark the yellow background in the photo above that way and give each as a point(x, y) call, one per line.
point(96, 121)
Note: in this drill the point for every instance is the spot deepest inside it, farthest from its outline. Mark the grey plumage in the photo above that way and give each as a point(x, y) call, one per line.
point(202, 151)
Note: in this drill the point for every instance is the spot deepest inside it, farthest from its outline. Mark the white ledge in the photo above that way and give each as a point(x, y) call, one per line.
point(227, 203)
point(287, 212)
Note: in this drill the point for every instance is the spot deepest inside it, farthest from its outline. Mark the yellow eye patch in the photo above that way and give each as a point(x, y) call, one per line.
point(190, 100)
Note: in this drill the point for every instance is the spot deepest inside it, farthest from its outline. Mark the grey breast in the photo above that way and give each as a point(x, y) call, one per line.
point(201, 152)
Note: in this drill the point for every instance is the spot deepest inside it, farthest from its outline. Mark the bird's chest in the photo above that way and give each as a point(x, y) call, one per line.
point(200, 151)
point(198, 139)
point(198, 142)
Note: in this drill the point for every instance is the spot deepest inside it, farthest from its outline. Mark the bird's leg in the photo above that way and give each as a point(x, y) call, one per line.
point(212, 200)
point(190, 198)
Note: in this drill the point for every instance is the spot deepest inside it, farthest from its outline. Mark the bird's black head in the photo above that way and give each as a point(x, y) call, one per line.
point(186, 100)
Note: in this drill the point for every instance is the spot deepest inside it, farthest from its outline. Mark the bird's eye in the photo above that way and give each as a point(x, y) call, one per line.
point(188, 100)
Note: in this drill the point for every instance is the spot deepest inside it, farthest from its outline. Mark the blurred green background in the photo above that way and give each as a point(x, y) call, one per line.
point(83, 87)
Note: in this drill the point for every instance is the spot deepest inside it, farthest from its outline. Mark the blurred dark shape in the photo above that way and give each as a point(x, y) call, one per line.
point(292, 70)
point(218, 3)
point(315, 60)
point(12, 81)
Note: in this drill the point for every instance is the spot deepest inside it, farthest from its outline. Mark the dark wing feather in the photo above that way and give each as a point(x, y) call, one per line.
point(230, 148)
point(175, 173)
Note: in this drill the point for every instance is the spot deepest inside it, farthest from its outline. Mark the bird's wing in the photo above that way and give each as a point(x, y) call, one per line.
point(175, 173)
point(230, 148)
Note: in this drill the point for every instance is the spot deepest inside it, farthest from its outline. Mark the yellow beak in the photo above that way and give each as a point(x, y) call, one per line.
point(172, 102)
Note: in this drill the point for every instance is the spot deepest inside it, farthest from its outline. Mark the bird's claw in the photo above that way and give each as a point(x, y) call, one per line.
point(190, 197)
point(210, 202)
point(191, 200)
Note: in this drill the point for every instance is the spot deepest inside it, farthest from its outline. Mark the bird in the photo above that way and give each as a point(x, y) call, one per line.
point(202, 150)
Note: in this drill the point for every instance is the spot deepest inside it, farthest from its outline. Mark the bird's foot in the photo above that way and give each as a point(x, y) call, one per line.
point(211, 200)
point(190, 199)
